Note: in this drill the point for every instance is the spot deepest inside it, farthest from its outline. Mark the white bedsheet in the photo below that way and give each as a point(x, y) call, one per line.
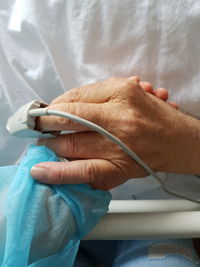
point(50, 46)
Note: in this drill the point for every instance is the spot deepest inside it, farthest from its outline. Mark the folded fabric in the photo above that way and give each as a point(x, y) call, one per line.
point(48, 47)
point(41, 225)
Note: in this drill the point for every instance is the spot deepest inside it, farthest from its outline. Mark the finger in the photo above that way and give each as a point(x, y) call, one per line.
point(161, 93)
point(82, 145)
point(76, 172)
point(91, 112)
point(148, 87)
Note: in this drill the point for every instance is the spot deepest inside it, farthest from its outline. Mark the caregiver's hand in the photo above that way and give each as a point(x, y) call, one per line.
point(161, 136)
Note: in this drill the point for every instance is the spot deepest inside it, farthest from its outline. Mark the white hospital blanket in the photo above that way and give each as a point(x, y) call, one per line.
point(50, 46)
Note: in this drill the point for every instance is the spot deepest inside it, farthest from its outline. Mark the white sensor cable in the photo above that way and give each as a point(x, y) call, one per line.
point(47, 112)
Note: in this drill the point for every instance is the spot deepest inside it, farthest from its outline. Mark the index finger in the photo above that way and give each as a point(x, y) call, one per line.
point(91, 112)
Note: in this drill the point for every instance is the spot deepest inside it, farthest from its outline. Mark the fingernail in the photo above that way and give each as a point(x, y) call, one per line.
point(39, 172)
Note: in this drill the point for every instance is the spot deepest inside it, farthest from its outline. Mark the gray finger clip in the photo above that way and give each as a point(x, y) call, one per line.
point(22, 124)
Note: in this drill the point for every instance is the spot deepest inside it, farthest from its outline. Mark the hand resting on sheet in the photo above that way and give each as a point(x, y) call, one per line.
point(162, 136)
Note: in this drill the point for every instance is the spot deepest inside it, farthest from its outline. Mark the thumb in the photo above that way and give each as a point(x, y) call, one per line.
point(88, 171)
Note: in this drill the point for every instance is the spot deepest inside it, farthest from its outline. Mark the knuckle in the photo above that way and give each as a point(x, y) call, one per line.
point(57, 175)
point(61, 175)
point(120, 168)
point(76, 94)
point(135, 96)
point(71, 145)
point(119, 87)
point(64, 122)
point(89, 170)
point(123, 88)
point(130, 87)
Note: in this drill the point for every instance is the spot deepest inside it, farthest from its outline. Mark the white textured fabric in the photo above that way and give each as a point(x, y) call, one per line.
point(50, 46)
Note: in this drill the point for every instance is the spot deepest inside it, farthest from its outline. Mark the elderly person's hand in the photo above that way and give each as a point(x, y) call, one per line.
point(159, 134)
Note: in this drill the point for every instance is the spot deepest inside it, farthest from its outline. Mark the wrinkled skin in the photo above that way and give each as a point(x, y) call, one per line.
point(132, 111)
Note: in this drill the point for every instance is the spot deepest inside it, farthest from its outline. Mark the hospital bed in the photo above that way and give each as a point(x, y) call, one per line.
point(126, 219)
point(147, 219)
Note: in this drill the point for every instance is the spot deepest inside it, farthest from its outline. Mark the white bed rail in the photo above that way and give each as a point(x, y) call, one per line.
point(148, 219)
